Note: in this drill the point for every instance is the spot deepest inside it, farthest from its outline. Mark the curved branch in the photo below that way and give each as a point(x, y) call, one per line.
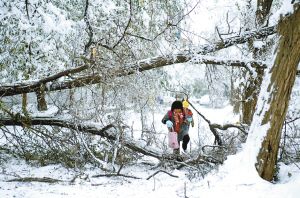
point(105, 132)
point(162, 172)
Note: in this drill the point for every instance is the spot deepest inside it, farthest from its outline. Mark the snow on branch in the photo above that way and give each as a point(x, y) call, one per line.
point(19, 120)
point(142, 65)
point(33, 86)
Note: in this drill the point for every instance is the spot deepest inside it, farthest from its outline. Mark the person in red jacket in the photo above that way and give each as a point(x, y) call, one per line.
point(178, 119)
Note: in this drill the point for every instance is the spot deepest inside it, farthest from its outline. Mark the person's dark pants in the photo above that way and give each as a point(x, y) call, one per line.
point(185, 141)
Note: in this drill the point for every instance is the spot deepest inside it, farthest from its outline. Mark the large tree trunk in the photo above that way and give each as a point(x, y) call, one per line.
point(252, 86)
point(280, 87)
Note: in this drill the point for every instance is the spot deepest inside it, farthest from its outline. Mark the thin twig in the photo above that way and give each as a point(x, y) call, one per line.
point(163, 172)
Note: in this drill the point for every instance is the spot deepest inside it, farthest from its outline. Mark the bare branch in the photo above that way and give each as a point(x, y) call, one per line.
point(127, 26)
point(162, 172)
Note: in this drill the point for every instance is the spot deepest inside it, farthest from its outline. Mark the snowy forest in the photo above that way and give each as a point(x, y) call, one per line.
point(85, 84)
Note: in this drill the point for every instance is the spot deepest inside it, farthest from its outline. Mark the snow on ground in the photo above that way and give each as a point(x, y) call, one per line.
point(233, 179)
point(162, 185)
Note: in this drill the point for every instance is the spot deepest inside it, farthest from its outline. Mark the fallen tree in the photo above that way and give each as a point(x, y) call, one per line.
point(105, 132)
point(50, 84)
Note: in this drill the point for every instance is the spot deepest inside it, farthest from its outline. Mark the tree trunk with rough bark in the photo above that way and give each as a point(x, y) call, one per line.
point(250, 97)
point(253, 85)
point(280, 86)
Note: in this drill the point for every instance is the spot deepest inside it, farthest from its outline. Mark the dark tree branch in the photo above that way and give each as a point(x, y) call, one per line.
point(116, 175)
point(162, 172)
point(227, 126)
point(36, 179)
point(27, 11)
point(105, 132)
point(89, 27)
point(127, 26)
point(218, 139)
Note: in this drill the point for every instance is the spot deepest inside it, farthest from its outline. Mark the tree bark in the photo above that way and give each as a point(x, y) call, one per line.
point(24, 104)
point(263, 10)
point(253, 85)
point(283, 75)
point(19, 88)
point(250, 96)
point(41, 100)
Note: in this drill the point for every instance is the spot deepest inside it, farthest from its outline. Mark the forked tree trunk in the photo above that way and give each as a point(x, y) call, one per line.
point(280, 87)
point(253, 85)
point(250, 97)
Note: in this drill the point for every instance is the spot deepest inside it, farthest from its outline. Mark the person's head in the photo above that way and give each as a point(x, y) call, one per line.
point(185, 104)
point(177, 105)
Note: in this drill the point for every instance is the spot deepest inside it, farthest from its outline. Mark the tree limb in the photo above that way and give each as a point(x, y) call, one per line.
point(51, 121)
point(89, 27)
point(27, 87)
point(140, 66)
point(104, 132)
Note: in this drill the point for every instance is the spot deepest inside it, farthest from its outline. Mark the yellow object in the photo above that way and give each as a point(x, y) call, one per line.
point(185, 104)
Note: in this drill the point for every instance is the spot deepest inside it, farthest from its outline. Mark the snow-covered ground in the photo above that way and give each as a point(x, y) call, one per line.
point(237, 177)
point(233, 179)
